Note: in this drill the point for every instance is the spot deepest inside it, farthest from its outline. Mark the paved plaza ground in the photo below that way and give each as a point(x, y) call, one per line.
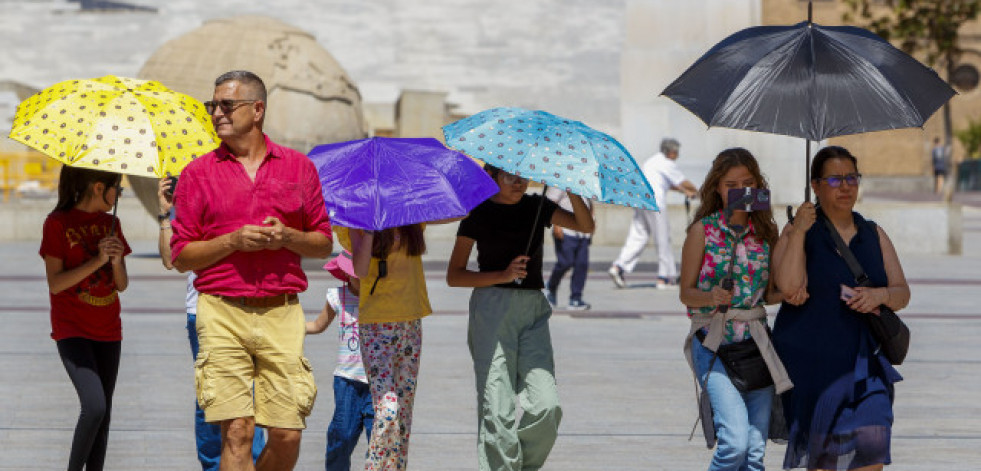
point(626, 391)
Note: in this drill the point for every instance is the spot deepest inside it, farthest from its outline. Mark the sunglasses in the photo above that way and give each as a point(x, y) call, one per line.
point(835, 181)
point(226, 105)
point(509, 179)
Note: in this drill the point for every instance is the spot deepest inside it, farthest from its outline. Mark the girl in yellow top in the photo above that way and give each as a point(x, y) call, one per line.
point(392, 304)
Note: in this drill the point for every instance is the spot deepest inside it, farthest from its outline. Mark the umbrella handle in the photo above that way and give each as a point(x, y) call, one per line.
point(538, 215)
point(790, 214)
point(115, 205)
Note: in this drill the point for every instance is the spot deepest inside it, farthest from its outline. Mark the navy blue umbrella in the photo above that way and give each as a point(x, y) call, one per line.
point(809, 81)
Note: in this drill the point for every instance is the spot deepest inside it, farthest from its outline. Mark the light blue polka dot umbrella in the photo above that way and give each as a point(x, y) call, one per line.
point(555, 151)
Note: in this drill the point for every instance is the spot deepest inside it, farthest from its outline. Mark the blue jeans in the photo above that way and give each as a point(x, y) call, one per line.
point(570, 252)
point(208, 436)
point(353, 412)
point(742, 420)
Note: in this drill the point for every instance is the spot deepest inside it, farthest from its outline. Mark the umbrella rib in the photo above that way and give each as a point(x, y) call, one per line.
point(870, 68)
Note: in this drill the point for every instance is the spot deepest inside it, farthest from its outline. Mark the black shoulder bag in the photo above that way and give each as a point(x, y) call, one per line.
point(887, 328)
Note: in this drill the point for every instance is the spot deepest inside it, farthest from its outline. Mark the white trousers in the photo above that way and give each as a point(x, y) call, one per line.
point(640, 230)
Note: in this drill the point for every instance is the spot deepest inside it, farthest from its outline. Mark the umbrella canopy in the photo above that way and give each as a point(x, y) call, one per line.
point(809, 81)
point(116, 124)
point(379, 183)
point(554, 151)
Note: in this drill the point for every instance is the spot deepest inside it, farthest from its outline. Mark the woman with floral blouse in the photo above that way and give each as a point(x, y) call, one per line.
point(722, 244)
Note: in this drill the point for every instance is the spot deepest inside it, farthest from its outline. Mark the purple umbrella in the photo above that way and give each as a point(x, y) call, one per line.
point(381, 182)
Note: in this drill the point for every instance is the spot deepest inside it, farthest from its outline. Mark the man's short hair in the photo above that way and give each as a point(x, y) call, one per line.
point(249, 79)
point(669, 145)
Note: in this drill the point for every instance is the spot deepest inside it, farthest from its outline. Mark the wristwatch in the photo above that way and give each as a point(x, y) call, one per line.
point(163, 217)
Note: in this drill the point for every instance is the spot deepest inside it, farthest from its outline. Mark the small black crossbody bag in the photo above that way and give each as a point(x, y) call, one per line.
point(744, 364)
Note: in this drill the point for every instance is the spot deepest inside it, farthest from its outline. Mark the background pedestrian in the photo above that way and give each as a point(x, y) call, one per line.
point(353, 410)
point(663, 174)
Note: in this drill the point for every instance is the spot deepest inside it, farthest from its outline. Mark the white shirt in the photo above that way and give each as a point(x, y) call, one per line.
point(191, 300)
point(663, 174)
point(561, 198)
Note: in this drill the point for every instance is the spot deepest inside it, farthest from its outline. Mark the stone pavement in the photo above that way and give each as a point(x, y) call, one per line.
point(626, 391)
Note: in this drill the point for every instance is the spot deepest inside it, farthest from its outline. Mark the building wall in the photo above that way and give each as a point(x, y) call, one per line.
point(600, 62)
point(664, 38)
point(560, 55)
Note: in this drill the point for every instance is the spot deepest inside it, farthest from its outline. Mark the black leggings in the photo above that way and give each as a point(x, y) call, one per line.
point(92, 367)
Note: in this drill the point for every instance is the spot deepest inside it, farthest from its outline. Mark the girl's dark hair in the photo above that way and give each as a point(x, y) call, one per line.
point(492, 171)
point(411, 240)
point(827, 153)
point(711, 201)
point(74, 183)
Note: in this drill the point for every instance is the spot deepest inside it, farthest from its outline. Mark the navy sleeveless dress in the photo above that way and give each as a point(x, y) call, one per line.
point(839, 412)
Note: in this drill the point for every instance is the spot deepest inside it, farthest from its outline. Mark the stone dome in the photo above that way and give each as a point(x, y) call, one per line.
point(311, 99)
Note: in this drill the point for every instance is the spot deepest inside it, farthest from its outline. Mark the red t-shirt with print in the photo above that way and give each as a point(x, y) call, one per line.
point(89, 309)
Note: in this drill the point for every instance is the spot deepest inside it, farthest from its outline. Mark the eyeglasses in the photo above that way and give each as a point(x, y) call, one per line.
point(835, 181)
point(227, 105)
point(509, 179)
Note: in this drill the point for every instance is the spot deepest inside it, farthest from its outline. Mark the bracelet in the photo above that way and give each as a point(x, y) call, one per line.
point(164, 228)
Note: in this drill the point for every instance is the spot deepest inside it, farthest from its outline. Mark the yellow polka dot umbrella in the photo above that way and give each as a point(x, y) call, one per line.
point(116, 124)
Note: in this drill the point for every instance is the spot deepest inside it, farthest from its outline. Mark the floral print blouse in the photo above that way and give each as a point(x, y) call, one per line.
point(751, 272)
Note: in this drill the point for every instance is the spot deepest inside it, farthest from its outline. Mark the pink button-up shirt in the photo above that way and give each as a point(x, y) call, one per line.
point(215, 196)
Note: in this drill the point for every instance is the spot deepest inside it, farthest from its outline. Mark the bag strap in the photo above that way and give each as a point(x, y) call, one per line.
point(846, 253)
point(698, 418)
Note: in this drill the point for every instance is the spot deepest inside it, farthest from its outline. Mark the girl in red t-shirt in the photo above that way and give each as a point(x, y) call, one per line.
point(83, 249)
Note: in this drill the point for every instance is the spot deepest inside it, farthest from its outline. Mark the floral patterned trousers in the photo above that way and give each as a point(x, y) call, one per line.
point(390, 352)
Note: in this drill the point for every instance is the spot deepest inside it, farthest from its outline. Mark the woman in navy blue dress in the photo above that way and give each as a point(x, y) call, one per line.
point(840, 410)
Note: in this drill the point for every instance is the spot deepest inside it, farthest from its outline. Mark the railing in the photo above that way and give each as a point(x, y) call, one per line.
point(19, 169)
point(969, 175)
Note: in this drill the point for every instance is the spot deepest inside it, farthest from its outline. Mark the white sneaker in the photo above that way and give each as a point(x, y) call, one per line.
point(617, 274)
point(666, 283)
point(578, 305)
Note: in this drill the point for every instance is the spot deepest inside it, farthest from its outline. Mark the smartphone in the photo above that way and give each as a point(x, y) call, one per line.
point(173, 187)
point(749, 199)
point(847, 293)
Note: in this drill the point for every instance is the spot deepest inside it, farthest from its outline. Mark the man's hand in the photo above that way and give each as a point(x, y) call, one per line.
point(251, 238)
point(279, 233)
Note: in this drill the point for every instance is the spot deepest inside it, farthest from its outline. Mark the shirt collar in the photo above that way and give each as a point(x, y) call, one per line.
point(272, 150)
point(750, 229)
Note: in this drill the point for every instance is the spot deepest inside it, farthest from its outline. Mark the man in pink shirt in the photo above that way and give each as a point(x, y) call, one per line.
point(246, 213)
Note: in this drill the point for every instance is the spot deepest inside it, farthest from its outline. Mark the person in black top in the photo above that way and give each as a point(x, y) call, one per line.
point(508, 329)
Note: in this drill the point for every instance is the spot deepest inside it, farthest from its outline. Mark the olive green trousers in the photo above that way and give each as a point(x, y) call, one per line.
point(512, 358)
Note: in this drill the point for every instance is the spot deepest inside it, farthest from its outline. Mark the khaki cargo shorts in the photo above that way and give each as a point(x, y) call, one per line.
point(245, 349)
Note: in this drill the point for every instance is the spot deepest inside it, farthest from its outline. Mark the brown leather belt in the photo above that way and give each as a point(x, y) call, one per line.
point(261, 301)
